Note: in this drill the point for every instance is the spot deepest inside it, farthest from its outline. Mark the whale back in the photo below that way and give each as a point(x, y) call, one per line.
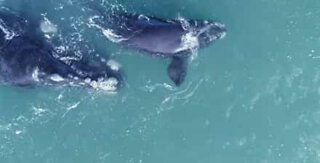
point(28, 59)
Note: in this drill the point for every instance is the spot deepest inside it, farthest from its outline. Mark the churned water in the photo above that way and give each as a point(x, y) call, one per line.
point(252, 97)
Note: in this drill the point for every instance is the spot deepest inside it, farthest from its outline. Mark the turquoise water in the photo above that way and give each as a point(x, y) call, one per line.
point(250, 98)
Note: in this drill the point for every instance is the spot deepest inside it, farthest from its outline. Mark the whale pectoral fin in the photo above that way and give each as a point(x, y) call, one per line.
point(177, 70)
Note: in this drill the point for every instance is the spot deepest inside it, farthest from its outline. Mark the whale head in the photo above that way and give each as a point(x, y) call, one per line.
point(207, 31)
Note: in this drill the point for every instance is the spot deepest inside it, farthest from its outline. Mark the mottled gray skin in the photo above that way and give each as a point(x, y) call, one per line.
point(162, 40)
point(27, 59)
point(163, 37)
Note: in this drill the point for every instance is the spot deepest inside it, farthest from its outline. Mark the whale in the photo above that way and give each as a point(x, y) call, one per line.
point(27, 59)
point(176, 39)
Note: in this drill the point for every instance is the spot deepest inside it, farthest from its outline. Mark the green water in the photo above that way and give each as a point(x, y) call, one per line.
point(250, 98)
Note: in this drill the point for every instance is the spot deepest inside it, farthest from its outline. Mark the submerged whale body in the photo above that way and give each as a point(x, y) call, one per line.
point(27, 59)
point(175, 39)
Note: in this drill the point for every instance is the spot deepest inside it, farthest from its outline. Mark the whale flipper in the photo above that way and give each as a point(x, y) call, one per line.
point(177, 70)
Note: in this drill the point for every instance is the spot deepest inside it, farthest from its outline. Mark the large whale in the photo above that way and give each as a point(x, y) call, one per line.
point(173, 38)
point(27, 59)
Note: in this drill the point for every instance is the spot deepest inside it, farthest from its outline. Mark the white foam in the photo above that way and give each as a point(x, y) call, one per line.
point(47, 27)
point(18, 132)
point(109, 33)
point(220, 25)
point(114, 65)
point(189, 41)
point(38, 111)
point(184, 23)
point(223, 35)
point(87, 80)
point(112, 36)
point(74, 106)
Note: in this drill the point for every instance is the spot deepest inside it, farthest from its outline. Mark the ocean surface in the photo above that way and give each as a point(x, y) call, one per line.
point(253, 97)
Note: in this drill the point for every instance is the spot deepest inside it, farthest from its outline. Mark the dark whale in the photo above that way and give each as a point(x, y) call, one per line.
point(27, 59)
point(175, 39)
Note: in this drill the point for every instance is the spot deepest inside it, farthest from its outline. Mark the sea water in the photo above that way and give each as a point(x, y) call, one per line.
point(252, 97)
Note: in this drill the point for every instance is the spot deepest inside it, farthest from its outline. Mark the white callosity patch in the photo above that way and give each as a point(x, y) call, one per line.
point(56, 78)
point(222, 26)
point(190, 40)
point(114, 65)
point(219, 35)
point(109, 85)
point(141, 17)
point(8, 33)
point(35, 74)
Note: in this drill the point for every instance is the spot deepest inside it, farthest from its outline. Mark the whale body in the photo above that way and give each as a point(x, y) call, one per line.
point(173, 38)
point(27, 59)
